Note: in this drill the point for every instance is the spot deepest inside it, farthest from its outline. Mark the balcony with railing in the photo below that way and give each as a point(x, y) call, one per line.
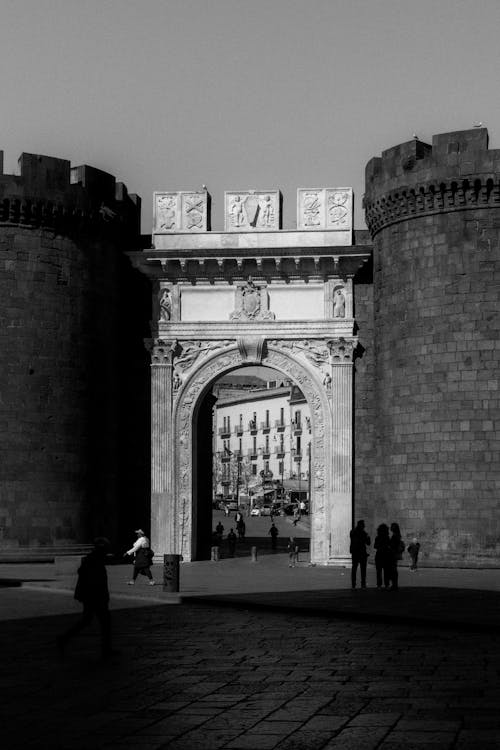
point(297, 455)
point(279, 450)
point(265, 427)
point(279, 425)
point(238, 430)
point(252, 426)
point(225, 431)
point(297, 428)
point(266, 451)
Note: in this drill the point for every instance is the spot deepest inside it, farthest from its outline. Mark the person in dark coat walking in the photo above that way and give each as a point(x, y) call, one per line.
point(359, 542)
point(92, 591)
point(382, 555)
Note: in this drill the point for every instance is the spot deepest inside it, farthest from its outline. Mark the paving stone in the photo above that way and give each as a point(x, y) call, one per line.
point(414, 740)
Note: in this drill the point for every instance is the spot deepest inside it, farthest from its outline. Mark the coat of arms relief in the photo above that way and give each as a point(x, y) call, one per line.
point(251, 302)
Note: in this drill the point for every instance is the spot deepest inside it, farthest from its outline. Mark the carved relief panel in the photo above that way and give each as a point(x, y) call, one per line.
point(252, 210)
point(180, 211)
point(251, 302)
point(324, 208)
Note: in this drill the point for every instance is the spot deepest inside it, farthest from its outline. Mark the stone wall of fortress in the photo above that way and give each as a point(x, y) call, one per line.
point(69, 364)
point(434, 215)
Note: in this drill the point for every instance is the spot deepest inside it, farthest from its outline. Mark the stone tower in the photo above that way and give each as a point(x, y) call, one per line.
point(434, 215)
point(67, 367)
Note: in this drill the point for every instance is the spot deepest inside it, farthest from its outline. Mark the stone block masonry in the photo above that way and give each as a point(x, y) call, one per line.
point(434, 214)
point(63, 284)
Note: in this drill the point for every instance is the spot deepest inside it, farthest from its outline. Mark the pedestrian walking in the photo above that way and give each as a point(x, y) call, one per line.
point(231, 542)
point(273, 531)
point(413, 550)
point(215, 546)
point(382, 555)
point(241, 528)
point(359, 554)
point(93, 593)
point(293, 552)
point(219, 530)
point(397, 548)
point(143, 558)
point(296, 515)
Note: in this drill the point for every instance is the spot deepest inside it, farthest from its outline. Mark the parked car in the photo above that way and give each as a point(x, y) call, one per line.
point(255, 511)
point(231, 505)
point(277, 509)
point(265, 510)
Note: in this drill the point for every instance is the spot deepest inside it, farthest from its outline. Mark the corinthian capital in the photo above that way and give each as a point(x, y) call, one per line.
point(341, 350)
point(162, 351)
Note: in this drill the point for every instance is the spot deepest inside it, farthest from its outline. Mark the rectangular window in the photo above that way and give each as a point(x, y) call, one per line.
point(254, 469)
point(267, 417)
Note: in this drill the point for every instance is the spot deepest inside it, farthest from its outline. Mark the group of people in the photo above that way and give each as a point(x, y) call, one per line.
point(231, 538)
point(389, 548)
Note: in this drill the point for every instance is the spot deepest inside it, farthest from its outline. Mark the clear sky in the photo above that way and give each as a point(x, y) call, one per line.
point(240, 94)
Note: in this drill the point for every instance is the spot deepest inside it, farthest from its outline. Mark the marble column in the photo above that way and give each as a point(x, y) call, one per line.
point(341, 509)
point(162, 527)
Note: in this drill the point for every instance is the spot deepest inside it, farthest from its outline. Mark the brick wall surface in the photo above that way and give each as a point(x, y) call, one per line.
point(436, 468)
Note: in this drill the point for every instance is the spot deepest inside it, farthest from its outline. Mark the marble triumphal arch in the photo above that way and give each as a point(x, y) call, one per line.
point(253, 294)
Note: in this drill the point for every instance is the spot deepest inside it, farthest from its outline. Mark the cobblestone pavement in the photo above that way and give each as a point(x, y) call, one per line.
point(200, 677)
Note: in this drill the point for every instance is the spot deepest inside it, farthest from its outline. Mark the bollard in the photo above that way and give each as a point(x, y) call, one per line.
point(171, 572)
point(254, 554)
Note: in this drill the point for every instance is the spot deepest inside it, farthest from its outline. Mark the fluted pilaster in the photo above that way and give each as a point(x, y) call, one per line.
point(341, 357)
point(163, 533)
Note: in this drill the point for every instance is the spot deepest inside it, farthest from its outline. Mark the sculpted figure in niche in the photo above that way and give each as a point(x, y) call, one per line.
point(165, 306)
point(339, 304)
point(236, 212)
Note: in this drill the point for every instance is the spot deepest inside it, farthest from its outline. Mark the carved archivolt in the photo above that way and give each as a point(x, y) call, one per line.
point(194, 387)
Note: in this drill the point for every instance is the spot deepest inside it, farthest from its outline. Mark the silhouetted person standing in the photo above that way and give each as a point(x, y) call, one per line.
point(382, 555)
point(273, 531)
point(231, 542)
point(92, 591)
point(397, 548)
point(359, 542)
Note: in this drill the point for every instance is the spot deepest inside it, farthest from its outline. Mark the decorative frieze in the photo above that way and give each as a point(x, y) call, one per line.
point(252, 210)
point(180, 211)
point(324, 208)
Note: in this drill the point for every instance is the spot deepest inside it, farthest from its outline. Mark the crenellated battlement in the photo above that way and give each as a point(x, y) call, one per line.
point(50, 194)
point(458, 172)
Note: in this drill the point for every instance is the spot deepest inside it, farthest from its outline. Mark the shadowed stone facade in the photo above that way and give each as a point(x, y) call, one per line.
point(434, 214)
point(397, 352)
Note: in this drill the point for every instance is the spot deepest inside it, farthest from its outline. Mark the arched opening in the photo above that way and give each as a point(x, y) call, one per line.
point(252, 436)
